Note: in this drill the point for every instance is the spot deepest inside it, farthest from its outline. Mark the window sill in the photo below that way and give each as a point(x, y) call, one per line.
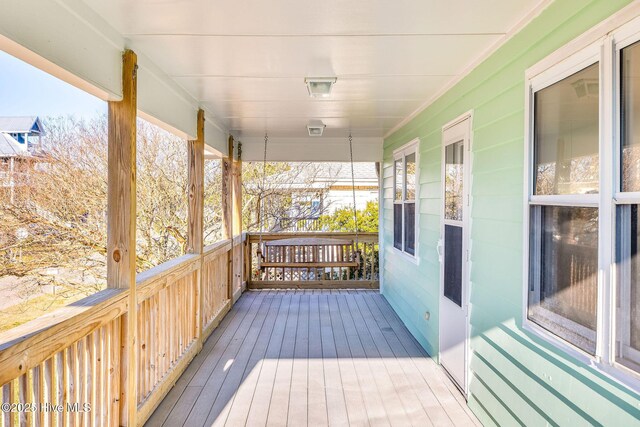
point(615, 372)
point(411, 258)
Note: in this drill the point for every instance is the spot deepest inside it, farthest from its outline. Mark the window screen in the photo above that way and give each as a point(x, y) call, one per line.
point(564, 289)
point(410, 228)
point(397, 226)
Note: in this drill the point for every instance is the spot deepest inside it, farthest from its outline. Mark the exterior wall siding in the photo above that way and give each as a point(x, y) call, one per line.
point(516, 378)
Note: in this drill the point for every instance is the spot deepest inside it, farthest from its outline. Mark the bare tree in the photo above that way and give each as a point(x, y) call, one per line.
point(55, 230)
point(288, 196)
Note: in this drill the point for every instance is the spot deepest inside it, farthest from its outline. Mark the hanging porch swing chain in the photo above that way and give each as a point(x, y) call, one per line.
point(264, 173)
point(353, 189)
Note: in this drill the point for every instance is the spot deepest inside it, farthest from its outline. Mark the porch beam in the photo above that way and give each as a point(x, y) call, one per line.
point(121, 226)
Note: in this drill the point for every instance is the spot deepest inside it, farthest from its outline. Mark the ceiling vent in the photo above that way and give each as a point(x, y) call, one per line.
point(315, 128)
point(320, 87)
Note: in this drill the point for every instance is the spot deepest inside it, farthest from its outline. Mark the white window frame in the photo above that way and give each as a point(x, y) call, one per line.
point(401, 154)
point(601, 44)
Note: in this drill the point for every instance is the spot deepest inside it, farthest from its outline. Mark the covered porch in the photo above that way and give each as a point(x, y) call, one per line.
point(337, 328)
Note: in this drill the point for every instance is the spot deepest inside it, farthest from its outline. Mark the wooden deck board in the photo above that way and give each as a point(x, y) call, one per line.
point(323, 357)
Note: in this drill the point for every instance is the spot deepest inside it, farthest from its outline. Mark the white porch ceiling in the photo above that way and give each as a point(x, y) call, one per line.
point(245, 61)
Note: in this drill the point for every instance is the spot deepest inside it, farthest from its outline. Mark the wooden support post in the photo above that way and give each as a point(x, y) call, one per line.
point(227, 192)
point(236, 216)
point(236, 206)
point(195, 234)
point(121, 226)
point(227, 201)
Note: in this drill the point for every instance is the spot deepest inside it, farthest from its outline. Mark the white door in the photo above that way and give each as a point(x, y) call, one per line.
point(453, 250)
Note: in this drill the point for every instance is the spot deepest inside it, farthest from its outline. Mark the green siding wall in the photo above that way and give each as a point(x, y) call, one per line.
point(516, 379)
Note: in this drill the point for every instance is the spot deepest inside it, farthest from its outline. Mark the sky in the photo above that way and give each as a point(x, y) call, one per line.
point(28, 91)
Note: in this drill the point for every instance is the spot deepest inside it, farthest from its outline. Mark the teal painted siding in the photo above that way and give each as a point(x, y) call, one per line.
point(517, 379)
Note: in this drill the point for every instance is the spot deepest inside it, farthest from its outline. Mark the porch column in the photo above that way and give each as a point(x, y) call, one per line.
point(195, 233)
point(121, 226)
point(227, 192)
point(227, 197)
point(236, 221)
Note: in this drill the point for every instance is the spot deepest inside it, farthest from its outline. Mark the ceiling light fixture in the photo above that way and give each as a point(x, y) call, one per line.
point(320, 87)
point(315, 128)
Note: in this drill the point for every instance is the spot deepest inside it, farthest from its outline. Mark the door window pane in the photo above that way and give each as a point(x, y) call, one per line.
point(630, 120)
point(564, 281)
point(453, 263)
point(397, 226)
point(566, 135)
point(453, 181)
point(410, 193)
point(628, 295)
point(398, 179)
point(410, 228)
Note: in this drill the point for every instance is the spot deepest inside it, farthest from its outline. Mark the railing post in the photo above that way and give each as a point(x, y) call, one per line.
point(195, 235)
point(121, 227)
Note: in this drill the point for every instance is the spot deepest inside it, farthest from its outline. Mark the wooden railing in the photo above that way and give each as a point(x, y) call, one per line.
point(299, 224)
point(78, 354)
point(304, 264)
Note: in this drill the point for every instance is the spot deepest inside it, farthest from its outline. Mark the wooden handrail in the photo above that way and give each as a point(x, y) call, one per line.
point(163, 270)
point(363, 237)
point(28, 345)
point(74, 348)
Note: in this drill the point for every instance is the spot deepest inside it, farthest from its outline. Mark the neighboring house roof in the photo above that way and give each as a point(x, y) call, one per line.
point(9, 147)
point(362, 171)
point(24, 124)
point(325, 175)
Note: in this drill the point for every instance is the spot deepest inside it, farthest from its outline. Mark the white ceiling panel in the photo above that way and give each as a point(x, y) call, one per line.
point(276, 17)
point(224, 89)
point(273, 124)
point(245, 61)
point(308, 108)
point(314, 55)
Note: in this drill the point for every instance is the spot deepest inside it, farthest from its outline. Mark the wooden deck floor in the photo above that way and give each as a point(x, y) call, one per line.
point(312, 358)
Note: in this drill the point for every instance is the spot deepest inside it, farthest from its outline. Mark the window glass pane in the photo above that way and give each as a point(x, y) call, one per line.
point(398, 179)
point(453, 157)
point(628, 295)
point(411, 176)
point(564, 277)
point(410, 228)
point(397, 226)
point(630, 120)
point(566, 135)
point(453, 263)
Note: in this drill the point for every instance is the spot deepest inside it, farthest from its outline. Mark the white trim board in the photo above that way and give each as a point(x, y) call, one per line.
point(319, 149)
point(400, 153)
